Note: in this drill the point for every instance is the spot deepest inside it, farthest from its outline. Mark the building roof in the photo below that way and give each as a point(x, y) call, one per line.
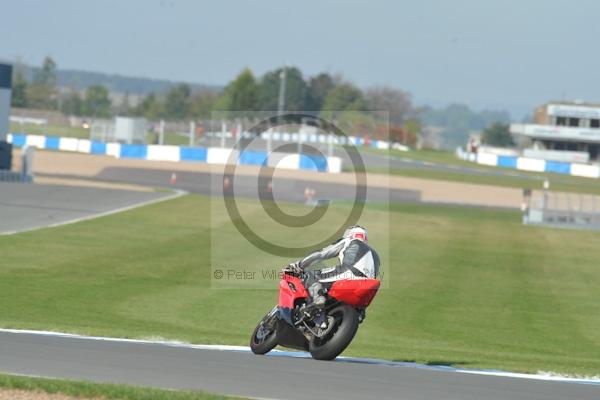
point(578, 103)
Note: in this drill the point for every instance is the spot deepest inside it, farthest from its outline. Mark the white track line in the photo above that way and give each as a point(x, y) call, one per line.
point(177, 193)
point(299, 354)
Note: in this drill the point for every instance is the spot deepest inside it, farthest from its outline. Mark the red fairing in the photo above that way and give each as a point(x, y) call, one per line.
point(290, 289)
point(355, 292)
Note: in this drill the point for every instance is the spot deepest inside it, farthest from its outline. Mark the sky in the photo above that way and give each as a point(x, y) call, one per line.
point(488, 54)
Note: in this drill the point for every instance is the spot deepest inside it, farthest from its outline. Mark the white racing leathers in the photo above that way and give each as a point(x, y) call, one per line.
point(357, 261)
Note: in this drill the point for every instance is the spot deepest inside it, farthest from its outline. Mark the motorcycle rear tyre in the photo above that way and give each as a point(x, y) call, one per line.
point(341, 338)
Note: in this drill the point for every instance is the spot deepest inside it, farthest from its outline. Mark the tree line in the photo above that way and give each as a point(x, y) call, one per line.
point(323, 93)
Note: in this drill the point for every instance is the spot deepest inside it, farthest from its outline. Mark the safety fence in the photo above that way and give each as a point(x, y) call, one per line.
point(532, 164)
point(210, 155)
point(568, 210)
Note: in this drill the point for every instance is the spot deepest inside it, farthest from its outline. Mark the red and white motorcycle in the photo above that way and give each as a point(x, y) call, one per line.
point(324, 332)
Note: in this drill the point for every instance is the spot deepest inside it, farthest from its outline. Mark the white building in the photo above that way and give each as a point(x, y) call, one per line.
point(563, 131)
point(122, 130)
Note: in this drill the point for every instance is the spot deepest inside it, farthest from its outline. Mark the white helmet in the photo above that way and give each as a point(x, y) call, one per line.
point(356, 232)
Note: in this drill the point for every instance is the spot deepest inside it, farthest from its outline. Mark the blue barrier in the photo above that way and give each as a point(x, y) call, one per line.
point(133, 151)
point(558, 167)
point(534, 164)
point(18, 140)
point(52, 142)
point(251, 157)
point(507, 161)
point(140, 151)
point(98, 148)
point(193, 154)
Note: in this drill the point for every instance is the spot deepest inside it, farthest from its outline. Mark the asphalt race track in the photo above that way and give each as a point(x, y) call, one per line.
point(244, 374)
point(247, 186)
point(26, 206)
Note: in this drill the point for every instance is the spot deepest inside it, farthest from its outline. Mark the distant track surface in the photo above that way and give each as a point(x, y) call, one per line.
point(385, 161)
point(25, 206)
point(244, 374)
point(246, 186)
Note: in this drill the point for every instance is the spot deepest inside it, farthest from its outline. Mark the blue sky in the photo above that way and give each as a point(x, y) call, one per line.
point(503, 54)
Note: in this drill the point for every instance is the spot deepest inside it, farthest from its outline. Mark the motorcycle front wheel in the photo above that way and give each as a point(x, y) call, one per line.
point(339, 337)
point(264, 337)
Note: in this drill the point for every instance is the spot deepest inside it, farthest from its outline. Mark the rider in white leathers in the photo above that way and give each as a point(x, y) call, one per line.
point(357, 261)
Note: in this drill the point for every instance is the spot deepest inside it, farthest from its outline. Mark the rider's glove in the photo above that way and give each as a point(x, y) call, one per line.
point(295, 268)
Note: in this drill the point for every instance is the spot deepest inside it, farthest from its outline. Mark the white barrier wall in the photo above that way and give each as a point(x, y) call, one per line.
point(288, 161)
point(218, 155)
point(335, 164)
point(176, 153)
point(588, 171)
point(531, 164)
point(487, 159)
point(36, 141)
point(163, 153)
point(84, 146)
point(69, 144)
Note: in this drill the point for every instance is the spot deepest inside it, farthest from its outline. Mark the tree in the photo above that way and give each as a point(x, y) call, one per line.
point(318, 89)
point(177, 102)
point(42, 93)
point(497, 134)
point(72, 104)
point(19, 87)
point(202, 104)
point(457, 121)
point(124, 107)
point(240, 94)
point(344, 97)
point(150, 107)
point(345, 106)
point(396, 102)
point(96, 103)
point(295, 90)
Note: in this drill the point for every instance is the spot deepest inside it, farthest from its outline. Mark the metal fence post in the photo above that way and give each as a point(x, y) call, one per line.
point(192, 132)
point(161, 132)
point(223, 129)
point(269, 140)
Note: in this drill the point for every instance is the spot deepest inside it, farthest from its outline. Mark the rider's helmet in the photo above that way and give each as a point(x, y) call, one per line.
point(356, 232)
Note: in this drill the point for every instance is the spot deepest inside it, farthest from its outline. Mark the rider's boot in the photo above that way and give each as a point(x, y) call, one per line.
point(316, 293)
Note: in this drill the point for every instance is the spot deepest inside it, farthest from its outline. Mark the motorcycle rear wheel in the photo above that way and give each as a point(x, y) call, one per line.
point(264, 340)
point(336, 341)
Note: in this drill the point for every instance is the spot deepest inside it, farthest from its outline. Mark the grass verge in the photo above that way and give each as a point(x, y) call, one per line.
point(92, 390)
point(569, 184)
point(170, 138)
point(50, 130)
point(432, 156)
point(482, 174)
point(468, 287)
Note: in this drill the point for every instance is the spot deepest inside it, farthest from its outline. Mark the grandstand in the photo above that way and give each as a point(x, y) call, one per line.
point(563, 131)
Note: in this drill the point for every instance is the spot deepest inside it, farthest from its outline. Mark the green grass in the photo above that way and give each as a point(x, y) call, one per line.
point(107, 391)
point(520, 179)
point(171, 138)
point(558, 183)
point(467, 287)
point(434, 156)
point(50, 130)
